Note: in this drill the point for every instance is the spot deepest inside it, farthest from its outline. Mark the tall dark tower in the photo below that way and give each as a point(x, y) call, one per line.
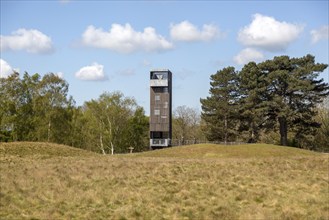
point(160, 112)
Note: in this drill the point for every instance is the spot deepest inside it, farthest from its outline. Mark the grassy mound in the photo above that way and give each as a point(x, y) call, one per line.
point(228, 151)
point(27, 149)
point(272, 183)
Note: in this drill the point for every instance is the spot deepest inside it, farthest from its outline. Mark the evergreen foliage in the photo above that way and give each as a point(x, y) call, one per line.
point(252, 108)
point(293, 94)
point(276, 101)
point(279, 95)
point(220, 108)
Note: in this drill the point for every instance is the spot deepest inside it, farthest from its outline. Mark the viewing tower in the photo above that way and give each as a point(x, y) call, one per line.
point(160, 111)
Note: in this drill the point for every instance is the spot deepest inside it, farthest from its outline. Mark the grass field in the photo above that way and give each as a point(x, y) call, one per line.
point(48, 181)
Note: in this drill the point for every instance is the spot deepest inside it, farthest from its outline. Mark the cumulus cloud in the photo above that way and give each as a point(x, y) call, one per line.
point(248, 55)
point(32, 41)
point(185, 31)
point(94, 72)
point(5, 69)
point(124, 39)
point(269, 34)
point(320, 34)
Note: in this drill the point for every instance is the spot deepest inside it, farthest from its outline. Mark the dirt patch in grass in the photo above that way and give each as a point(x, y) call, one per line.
point(144, 187)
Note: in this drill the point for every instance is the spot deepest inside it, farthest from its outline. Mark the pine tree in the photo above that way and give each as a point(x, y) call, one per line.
point(252, 87)
point(293, 92)
point(219, 110)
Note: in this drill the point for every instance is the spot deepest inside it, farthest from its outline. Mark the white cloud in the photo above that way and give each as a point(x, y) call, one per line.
point(248, 55)
point(269, 34)
point(125, 39)
point(185, 31)
point(5, 69)
point(33, 41)
point(94, 72)
point(320, 34)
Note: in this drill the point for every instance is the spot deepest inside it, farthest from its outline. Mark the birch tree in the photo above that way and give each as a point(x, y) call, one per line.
point(109, 116)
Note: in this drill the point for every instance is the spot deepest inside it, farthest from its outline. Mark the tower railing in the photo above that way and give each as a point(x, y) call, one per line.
point(160, 142)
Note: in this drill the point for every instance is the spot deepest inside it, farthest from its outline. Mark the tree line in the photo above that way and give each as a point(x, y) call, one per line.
point(35, 108)
point(39, 109)
point(277, 99)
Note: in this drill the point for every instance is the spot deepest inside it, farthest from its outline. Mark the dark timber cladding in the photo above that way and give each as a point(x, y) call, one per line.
point(160, 112)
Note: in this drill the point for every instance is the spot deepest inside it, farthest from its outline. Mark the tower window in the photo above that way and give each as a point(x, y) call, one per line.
point(156, 112)
point(159, 75)
point(157, 98)
point(160, 89)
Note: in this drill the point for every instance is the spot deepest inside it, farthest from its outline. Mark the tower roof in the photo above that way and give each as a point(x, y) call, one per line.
point(160, 70)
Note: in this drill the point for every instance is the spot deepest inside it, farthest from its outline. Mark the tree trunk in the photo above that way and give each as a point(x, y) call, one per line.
point(253, 133)
point(112, 148)
point(48, 133)
point(283, 131)
point(101, 143)
point(225, 129)
point(111, 136)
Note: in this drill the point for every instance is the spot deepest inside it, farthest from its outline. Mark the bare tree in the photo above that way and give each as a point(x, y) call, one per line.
point(186, 124)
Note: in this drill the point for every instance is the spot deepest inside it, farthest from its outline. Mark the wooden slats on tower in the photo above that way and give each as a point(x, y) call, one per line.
point(160, 108)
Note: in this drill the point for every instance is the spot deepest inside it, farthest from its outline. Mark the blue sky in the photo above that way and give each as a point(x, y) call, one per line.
point(99, 46)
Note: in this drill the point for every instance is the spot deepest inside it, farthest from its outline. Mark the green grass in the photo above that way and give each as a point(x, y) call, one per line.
point(48, 181)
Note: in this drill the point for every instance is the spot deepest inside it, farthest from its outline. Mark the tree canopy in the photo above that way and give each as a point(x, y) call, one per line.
point(219, 110)
point(115, 123)
point(39, 109)
point(34, 108)
point(278, 101)
point(281, 95)
point(186, 125)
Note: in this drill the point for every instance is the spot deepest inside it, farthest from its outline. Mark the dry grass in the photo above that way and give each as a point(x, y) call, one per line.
point(234, 151)
point(191, 182)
